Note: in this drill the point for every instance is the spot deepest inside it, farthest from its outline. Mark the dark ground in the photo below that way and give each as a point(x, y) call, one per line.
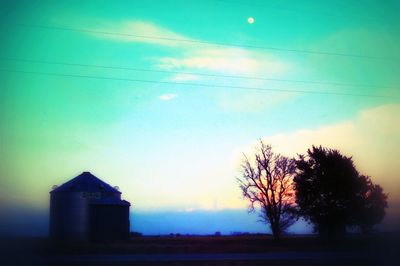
point(207, 250)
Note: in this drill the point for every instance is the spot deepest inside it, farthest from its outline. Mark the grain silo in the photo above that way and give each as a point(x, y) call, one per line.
point(86, 208)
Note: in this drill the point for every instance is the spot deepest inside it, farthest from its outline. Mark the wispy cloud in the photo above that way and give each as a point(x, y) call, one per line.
point(184, 77)
point(140, 32)
point(201, 56)
point(168, 97)
point(225, 60)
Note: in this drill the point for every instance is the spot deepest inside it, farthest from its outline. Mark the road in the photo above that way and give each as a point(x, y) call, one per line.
point(319, 256)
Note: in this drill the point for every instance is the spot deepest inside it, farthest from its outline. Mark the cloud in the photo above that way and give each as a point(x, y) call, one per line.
point(370, 133)
point(167, 97)
point(140, 32)
point(184, 77)
point(201, 56)
point(225, 60)
point(221, 65)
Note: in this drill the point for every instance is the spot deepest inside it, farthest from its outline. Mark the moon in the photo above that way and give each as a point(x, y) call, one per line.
point(250, 20)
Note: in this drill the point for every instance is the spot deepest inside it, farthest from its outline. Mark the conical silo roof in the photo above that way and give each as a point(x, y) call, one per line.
point(85, 182)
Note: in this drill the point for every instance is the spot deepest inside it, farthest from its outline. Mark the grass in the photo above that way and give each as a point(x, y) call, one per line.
point(219, 244)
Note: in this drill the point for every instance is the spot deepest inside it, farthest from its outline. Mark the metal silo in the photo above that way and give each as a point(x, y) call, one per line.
point(85, 203)
point(68, 215)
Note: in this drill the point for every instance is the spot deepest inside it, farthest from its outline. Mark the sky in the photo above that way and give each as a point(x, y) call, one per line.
point(162, 98)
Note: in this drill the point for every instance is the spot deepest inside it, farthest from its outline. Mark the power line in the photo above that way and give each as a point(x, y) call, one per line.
point(193, 84)
point(204, 42)
point(195, 73)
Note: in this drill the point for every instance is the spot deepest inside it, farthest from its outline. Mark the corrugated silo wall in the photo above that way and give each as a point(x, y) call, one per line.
point(68, 216)
point(109, 222)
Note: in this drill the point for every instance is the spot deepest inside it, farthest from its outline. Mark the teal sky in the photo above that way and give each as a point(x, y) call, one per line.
point(174, 146)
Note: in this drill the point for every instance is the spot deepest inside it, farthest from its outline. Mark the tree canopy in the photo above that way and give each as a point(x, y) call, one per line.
point(332, 195)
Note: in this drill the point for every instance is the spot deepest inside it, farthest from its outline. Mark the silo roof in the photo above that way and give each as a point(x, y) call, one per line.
point(85, 182)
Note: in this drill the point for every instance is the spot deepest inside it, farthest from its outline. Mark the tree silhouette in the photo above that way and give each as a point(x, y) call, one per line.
point(267, 182)
point(372, 204)
point(332, 195)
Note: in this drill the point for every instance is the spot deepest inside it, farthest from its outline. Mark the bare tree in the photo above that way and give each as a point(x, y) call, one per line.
point(267, 182)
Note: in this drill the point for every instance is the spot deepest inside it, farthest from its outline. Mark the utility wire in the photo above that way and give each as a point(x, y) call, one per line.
point(192, 84)
point(58, 28)
point(339, 84)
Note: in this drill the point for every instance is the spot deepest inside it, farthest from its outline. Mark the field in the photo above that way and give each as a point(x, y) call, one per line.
point(210, 250)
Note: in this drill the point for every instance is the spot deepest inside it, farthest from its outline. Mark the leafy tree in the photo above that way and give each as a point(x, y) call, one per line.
point(372, 204)
point(267, 182)
point(332, 195)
